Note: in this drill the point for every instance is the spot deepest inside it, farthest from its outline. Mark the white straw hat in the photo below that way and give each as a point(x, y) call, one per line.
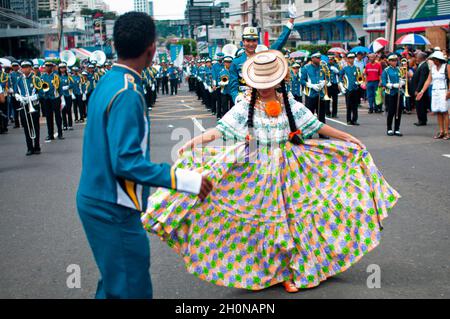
point(438, 55)
point(265, 69)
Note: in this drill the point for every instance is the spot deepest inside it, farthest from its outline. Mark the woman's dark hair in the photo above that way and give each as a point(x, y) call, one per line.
point(133, 33)
point(293, 127)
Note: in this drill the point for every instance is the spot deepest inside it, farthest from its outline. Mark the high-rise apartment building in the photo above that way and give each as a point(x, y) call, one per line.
point(25, 8)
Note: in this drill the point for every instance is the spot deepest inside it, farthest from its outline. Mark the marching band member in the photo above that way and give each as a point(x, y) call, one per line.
point(51, 101)
point(85, 88)
point(207, 81)
point(216, 69)
point(117, 173)
point(164, 79)
point(66, 92)
point(153, 71)
point(392, 83)
point(313, 80)
point(13, 78)
point(295, 83)
point(78, 104)
point(333, 90)
point(172, 72)
point(250, 39)
point(4, 79)
point(36, 70)
point(158, 79)
point(28, 86)
point(226, 103)
point(349, 86)
point(93, 79)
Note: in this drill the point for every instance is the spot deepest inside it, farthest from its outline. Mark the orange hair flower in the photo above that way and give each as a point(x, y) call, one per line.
point(273, 108)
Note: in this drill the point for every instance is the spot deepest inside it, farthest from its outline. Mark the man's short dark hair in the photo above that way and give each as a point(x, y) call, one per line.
point(133, 33)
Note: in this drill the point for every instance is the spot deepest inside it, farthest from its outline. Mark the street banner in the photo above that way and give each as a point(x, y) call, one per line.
point(176, 54)
point(202, 47)
point(49, 54)
point(213, 50)
point(162, 57)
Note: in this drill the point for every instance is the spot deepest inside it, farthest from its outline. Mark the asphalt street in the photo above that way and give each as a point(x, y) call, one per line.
point(41, 234)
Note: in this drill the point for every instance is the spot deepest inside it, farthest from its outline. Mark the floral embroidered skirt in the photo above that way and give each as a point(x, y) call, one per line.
point(303, 213)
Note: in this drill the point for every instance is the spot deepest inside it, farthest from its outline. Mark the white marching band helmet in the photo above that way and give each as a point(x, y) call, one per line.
point(68, 57)
point(99, 57)
point(229, 50)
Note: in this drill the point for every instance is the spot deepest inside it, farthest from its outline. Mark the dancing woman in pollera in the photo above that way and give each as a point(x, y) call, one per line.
point(296, 214)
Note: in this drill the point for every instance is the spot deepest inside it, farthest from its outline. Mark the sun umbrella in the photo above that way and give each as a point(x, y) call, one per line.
point(413, 39)
point(360, 49)
point(325, 58)
point(337, 50)
point(378, 44)
point(300, 54)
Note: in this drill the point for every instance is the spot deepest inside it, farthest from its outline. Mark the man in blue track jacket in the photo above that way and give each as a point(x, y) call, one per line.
point(116, 168)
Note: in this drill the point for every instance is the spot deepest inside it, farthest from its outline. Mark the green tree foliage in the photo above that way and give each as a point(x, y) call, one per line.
point(106, 14)
point(189, 46)
point(164, 29)
point(354, 7)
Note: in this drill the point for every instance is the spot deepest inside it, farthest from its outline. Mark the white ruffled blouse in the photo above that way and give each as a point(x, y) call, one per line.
point(267, 129)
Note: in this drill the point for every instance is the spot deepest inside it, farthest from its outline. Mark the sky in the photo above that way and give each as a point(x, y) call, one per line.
point(163, 9)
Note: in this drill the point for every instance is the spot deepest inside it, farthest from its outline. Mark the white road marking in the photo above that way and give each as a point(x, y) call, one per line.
point(333, 120)
point(446, 155)
point(197, 123)
point(189, 107)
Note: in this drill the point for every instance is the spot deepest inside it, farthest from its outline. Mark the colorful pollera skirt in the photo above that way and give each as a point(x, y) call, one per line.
point(297, 212)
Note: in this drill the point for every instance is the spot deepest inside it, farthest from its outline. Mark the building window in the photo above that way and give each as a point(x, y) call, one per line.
point(340, 13)
point(308, 1)
point(340, 1)
point(308, 14)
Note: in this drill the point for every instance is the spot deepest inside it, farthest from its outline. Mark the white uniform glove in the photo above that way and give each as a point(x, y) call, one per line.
point(316, 87)
point(73, 96)
point(396, 85)
point(34, 97)
point(334, 69)
point(292, 10)
point(10, 91)
point(153, 87)
point(63, 101)
point(65, 87)
point(402, 83)
point(84, 97)
point(328, 83)
point(389, 85)
point(342, 88)
point(321, 84)
point(18, 98)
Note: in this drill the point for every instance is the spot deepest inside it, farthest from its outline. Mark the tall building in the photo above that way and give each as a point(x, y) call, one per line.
point(143, 6)
point(26, 8)
point(4, 4)
point(150, 8)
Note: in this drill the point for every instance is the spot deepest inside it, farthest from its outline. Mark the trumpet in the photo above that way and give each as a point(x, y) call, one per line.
point(224, 79)
point(306, 89)
point(45, 86)
point(359, 77)
point(404, 74)
point(326, 72)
